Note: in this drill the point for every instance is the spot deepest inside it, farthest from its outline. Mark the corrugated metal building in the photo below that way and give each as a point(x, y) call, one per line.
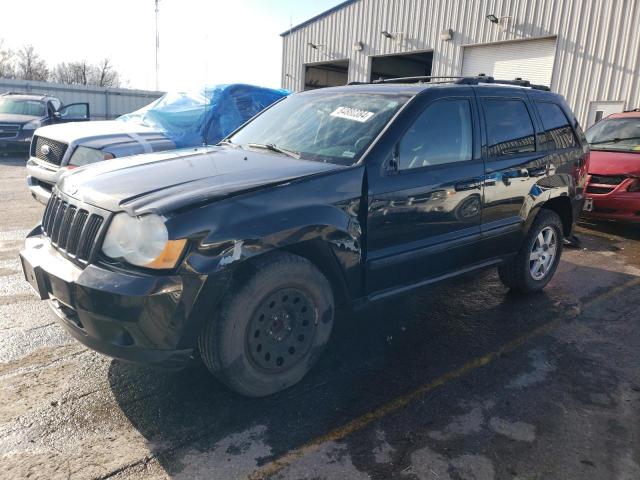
point(587, 50)
point(104, 103)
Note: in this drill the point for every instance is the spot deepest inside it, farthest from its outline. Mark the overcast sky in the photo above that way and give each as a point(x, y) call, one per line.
point(200, 40)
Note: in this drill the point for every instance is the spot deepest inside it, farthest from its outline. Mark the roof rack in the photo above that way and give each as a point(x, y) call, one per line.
point(477, 80)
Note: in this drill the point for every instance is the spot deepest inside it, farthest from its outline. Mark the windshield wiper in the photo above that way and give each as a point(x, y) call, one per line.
point(272, 147)
point(614, 140)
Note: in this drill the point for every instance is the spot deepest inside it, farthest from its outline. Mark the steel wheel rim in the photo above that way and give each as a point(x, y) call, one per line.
point(281, 330)
point(543, 253)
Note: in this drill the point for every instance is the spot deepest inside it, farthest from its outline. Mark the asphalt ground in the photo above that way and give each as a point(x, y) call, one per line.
point(457, 382)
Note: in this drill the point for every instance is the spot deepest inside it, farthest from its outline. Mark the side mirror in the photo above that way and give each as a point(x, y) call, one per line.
point(394, 161)
point(57, 116)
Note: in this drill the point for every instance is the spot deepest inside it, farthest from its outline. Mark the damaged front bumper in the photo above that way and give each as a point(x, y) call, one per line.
point(136, 317)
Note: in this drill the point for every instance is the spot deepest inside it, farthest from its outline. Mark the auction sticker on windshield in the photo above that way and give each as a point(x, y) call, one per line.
point(354, 114)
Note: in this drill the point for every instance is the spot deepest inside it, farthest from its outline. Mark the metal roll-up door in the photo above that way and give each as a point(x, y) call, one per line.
point(528, 59)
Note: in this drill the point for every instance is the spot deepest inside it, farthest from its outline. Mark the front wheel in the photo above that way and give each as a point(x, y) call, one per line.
point(270, 330)
point(536, 262)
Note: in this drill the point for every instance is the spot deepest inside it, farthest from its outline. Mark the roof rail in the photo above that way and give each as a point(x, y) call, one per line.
point(518, 82)
point(479, 79)
point(637, 109)
point(25, 93)
point(418, 79)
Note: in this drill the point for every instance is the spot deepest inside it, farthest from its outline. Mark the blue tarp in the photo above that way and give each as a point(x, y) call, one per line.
point(217, 110)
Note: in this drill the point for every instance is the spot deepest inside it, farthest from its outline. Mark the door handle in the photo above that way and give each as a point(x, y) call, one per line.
point(474, 184)
point(511, 174)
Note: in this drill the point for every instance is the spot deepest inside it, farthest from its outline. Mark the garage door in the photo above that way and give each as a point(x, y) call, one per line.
point(528, 59)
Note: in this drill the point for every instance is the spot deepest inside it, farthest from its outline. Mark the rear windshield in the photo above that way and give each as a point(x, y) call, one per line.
point(22, 107)
point(618, 134)
point(323, 126)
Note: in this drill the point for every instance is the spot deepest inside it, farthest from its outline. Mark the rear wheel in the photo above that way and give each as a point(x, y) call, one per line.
point(538, 258)
point(270, 330)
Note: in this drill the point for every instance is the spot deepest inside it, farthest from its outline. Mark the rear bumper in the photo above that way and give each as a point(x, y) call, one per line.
point(619, 204)
point(132, 317)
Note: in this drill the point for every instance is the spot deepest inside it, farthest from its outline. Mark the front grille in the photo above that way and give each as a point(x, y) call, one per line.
point(607, 179)
point(9, 130)
point(74, 230)
point(599, 190)
point(604, 209)
point(48, 150)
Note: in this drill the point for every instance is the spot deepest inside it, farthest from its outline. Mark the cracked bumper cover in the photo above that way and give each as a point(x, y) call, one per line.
point(136, 317)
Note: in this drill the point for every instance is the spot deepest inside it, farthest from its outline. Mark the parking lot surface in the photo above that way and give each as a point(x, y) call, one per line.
point(461, 381)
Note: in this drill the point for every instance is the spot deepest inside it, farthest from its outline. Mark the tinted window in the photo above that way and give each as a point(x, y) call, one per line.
point(441, 134)
point(556, 126)
point(509, 127)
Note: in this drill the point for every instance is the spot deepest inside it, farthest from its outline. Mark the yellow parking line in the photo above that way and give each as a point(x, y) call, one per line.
point(361, 422)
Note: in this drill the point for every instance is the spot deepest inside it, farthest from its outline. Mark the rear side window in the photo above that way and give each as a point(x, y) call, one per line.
point(441, 134)
point(556, 126)
point(509, 127)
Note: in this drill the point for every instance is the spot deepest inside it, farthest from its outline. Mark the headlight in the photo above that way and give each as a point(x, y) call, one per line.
point(85, 155)
point(32, 125)
point(142, 241)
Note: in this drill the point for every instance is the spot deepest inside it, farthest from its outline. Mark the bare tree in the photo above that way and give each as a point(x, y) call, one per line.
point(7, 69)
point(84, 73)
point(30, 65)
point(73, 73)
point(105, 75)
point(63, 73)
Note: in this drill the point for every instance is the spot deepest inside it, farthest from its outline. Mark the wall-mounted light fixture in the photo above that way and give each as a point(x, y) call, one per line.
point(387, 34)
point(315, 46)
point(503, 22)
point(358, 46)
point(446, 35)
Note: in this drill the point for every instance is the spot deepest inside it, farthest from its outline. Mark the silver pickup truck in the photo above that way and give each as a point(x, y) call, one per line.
point(55, 149)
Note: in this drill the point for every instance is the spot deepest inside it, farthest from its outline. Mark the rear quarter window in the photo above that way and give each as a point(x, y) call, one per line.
point(556, 125)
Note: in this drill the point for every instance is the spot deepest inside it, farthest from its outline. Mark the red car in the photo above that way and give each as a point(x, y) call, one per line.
point(613, 183)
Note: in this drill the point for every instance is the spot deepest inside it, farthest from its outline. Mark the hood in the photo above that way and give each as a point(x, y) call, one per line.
point(14, 118)
point(85, 131)
point(164, 181)
point(614, 163)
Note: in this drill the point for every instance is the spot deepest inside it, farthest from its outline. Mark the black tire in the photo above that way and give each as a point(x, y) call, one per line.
point(516, 274)
point(270, 330)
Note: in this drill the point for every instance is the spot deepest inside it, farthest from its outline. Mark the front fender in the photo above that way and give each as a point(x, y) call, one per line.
point(319, 211)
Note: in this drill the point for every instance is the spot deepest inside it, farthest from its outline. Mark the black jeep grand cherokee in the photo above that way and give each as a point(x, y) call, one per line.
point(340, 196)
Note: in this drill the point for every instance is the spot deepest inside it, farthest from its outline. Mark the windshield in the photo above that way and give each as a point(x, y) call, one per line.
point(322, 126)
point(619, 134)
point(22, 107)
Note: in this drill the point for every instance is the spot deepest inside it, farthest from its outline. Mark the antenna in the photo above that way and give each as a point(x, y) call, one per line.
point(157, 46)
point(205, 126)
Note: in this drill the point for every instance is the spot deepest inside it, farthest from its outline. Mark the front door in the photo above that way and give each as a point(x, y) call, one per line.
point(425, 204)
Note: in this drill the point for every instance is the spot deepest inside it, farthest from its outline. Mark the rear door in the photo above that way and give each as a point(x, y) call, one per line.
point(425, 203)
point(515, 160)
